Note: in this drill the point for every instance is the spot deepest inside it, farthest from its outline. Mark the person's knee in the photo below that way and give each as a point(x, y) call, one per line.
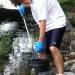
point(53, 49)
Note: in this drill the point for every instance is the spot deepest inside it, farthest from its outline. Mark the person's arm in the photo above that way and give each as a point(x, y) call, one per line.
point(41, 44)
point(42, 27)
point(41, 10)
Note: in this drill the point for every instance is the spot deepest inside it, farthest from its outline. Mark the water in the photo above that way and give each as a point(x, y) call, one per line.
point(22, 45)
point(18, 59)
point(23, 51)
point(8, 27)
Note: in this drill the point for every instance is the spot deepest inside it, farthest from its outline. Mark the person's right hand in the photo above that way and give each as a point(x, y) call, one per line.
point(22, 10)
point(39, 47)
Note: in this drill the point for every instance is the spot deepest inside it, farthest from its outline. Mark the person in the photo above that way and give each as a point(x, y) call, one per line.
point(51, 20)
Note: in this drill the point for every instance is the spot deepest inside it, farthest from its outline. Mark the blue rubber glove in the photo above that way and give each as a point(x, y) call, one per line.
point(39, 47)
point(22, 10)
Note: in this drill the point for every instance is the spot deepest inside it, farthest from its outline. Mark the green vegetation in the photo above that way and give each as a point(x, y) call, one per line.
point(2, 64)
point(72, 21)
point(5, 49)
point(5, 45)
point(67, 2)
point(69, 7)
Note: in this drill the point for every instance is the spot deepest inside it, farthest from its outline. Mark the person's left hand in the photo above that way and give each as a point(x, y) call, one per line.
point(39, 46)
point(22, 10)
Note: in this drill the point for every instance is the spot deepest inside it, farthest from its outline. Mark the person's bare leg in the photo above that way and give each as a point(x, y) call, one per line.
point(58, 59)
point(43, 55)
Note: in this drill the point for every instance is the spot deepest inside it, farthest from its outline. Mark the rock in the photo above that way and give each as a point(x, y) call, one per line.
point(72, 46)
point(72, 54)
point(70, 65)
point(68, 41)
point(73, 68)
point(72, 34)
point(69, 73)
point(69, 26)
point(65, 45)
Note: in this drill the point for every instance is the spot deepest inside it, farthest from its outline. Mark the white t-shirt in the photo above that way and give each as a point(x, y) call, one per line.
point(50, 11)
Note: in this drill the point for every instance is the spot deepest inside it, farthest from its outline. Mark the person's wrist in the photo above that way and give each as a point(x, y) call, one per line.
point(41, 39)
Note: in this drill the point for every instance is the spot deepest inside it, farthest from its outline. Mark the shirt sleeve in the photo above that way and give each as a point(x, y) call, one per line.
point(41, 9)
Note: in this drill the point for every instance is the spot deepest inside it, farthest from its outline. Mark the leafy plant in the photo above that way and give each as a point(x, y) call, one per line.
point(72, 21)
point(5, 45)
point(67, 2)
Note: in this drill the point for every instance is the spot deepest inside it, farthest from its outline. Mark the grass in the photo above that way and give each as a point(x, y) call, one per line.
point(67, 2)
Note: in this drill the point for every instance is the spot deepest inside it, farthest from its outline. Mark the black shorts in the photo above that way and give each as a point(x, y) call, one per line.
point(54, 37)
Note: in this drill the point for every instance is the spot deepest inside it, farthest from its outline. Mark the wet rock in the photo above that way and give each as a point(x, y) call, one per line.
point(68, 42)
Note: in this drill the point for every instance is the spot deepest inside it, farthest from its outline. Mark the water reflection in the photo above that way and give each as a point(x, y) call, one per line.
point(18, 64)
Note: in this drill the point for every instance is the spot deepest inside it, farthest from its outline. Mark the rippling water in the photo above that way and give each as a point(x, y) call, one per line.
point(17, 64)
point(17, 60)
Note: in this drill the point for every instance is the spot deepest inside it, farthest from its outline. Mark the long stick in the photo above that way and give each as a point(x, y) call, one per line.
point(35, 55)
point(27, 30)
